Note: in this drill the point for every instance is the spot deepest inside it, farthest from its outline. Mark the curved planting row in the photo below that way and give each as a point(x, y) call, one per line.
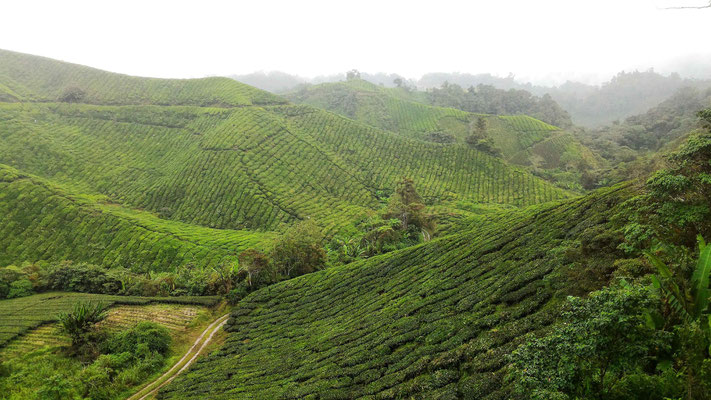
point(249, 167)
point(436, 169)
point(379, 107)
point(432, 321)
point(43, 222)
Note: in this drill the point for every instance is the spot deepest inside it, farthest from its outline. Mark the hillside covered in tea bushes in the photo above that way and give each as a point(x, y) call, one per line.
point(434, 321)
point(29, 78)
point(520, 139)
point(43, 222)
point(238, 164)
point(369, 245)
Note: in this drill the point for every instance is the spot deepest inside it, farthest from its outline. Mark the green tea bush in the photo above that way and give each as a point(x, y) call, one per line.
point(435, 319)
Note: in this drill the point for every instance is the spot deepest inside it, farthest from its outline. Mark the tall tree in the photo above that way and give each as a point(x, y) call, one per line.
point(299, 250)
point(256, 266)
point(407, 206)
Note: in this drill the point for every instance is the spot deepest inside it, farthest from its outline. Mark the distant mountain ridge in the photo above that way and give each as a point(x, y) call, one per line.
point(626, 94)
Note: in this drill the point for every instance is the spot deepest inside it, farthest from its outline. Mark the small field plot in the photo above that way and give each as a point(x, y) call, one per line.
point(19, 316)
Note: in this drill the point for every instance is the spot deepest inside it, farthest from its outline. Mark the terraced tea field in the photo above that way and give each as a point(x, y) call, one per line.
point(246, 168)
point(379, 107)
point(387, 108)
point(46, 335)
point(437, 169)
point(432, 321)
point(41, 221)
point(21, 315)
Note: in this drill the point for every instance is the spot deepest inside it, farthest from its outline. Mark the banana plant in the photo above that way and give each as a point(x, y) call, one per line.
point(690, 305)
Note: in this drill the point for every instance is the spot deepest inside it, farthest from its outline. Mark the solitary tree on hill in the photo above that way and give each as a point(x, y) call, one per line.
point(255, 265)
point(407, 206)
point(299, 250)
point(352, 74)
point(481, 126)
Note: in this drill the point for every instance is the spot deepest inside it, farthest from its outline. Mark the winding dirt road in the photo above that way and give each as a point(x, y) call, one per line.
point(188, 359)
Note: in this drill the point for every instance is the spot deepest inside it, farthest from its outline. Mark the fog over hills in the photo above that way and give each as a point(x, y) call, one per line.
point(591, 105)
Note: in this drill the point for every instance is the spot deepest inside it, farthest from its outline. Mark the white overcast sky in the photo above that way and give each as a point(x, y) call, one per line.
point(533, 39)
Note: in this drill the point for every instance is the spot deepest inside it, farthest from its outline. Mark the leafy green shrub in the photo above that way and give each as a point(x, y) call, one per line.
point(56, 388)
point(599, 340)
point(299, 250)
point(677, 204)
point(85, 278)
point(140, 341)
point(20, 288)
point(79, 323)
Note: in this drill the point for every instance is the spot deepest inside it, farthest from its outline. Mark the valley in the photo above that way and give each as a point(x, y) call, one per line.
point(202, 238)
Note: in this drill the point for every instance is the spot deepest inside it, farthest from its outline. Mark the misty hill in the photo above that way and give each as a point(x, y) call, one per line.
point(239, 166)
point(281, 82)
point(650, 131)
point(521, 139)
point(625, 95)
point(272, 81)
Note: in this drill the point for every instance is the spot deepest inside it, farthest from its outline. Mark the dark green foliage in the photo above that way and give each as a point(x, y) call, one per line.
point(72, 94)
point(82, 278)
point(677, 205)
point(56, 388)
point(599, 341)
point(299, 250)
point(407, 206)
point(79, 324)
point(403, 222)
point(145, 338)
point(438, 319)
point(689, 302)
point(686, 314)
point(257, 267)
point(20, 288)
point(486, 99)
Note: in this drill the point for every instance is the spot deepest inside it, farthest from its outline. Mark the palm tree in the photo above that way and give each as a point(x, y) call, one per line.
point(80, 322)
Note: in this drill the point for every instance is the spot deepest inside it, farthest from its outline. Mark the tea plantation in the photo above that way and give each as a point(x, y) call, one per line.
point(43, 222)
point(433, 321)
point(28, 78)
point(22, 314)
point(251, 167)
point(403, 111)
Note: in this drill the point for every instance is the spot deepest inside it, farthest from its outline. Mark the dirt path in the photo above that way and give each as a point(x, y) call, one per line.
point(200, 343)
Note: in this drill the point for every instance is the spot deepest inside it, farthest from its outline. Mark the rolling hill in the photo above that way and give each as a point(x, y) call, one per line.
point(28, 78)
point(43, 222)
point(523, 140)
point(238, 162)
point(433, 321)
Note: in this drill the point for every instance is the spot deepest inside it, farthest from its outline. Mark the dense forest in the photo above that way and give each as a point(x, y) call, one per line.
point(363, 237)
